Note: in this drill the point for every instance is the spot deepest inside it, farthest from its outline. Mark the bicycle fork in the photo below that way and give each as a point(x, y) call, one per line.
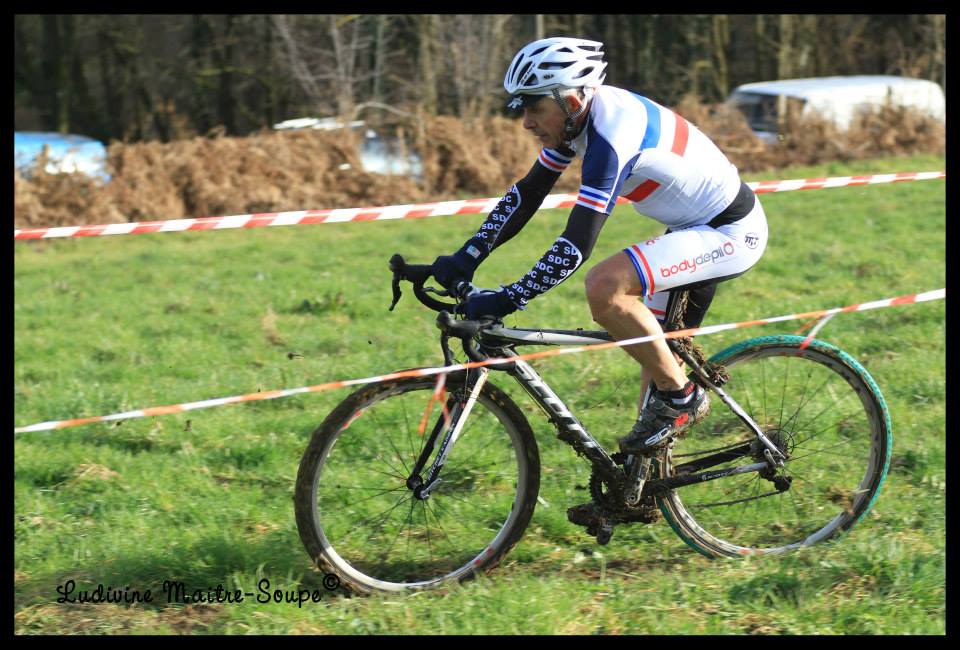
point(459, 413)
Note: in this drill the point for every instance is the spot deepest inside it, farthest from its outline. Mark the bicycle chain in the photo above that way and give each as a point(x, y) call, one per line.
point(646, 512)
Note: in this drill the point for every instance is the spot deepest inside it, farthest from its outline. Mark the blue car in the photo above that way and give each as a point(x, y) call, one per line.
point(69, 153)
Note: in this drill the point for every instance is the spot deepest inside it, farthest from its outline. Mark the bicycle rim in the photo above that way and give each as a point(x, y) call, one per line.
point(359, 519)
point(824, 409)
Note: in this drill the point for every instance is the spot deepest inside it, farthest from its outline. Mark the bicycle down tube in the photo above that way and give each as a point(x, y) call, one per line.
point(573, 432)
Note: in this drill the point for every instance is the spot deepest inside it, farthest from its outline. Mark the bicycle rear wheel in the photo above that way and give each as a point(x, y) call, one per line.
point(358, 518)
point(816, 403)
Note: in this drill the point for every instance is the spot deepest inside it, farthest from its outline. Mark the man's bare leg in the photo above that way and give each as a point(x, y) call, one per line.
point(613, 288)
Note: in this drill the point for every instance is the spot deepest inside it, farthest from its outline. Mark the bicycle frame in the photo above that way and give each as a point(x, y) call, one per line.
point(499, 341)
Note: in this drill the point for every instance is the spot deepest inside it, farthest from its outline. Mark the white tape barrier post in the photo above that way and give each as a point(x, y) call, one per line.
point(422, 372)
point(445, 208)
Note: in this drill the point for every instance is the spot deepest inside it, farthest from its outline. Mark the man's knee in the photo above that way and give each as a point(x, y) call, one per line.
point(605, 292)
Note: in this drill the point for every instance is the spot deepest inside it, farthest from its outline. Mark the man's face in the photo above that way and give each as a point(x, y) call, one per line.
point(546, 120)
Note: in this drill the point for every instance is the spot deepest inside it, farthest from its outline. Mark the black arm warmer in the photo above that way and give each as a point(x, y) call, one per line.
point(512, 212)
point(567, 254)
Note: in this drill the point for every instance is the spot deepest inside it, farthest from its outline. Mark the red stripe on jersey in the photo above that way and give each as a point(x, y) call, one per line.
point(593, 203)
point(680, 136)
point(549, 164)
point(643, 190)
point(636, 249)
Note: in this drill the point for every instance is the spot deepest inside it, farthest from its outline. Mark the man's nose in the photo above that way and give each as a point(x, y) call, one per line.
point(528, 122)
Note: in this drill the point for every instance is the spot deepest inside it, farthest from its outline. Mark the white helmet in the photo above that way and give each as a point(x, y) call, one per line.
point(553, 63)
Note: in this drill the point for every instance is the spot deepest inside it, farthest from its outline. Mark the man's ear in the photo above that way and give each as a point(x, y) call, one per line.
point(574, 102)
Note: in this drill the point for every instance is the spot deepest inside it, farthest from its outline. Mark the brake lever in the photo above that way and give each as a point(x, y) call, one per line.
point(396, 290)
point(396, 265)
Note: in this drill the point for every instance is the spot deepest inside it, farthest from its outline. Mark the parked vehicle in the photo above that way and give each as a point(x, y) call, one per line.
point(68, 153)
point(378, 154)
point(838, 99)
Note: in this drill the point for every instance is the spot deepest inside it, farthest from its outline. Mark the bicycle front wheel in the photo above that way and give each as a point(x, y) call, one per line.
point(359, 519)
point(823, 409)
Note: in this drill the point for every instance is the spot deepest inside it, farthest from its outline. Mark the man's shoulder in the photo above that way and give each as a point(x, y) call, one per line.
point(617, 121)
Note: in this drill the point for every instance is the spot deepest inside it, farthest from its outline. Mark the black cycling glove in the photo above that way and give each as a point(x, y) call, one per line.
point(450, 270)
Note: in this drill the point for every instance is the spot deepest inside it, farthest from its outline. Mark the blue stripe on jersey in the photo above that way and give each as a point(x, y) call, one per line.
point(556, 157)
point(599, 168)
point(594, 194)
point(652, 135)
point(636, 265)
point(625, 173)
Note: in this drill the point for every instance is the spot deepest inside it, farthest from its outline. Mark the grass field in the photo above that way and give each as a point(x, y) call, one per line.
point(105, 325)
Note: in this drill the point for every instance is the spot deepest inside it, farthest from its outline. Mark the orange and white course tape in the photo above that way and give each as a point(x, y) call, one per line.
point(410, 211)
point(423, 372)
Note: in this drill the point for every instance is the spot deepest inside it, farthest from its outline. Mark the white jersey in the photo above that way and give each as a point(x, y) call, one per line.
point(635, 148)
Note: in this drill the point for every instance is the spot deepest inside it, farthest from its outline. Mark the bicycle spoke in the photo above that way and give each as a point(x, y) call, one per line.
point(370, 520)
point(819, 451)
point(380, 517)
point(431, 508)
point(372, 496)
point(783, 396)
point(803, 397)
point(414, 454)
point(817, 434)
point(390, 440)
point(822, 419)
point(383, 557)
point(763, 383)
point(827, 408)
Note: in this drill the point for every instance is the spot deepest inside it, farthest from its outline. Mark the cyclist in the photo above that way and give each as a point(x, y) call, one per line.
point(670, 171)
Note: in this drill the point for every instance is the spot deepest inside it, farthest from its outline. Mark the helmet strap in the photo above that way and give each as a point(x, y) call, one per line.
point(570, 124)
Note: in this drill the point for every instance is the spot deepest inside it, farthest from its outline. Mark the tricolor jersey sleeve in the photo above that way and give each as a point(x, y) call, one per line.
point(555, 160)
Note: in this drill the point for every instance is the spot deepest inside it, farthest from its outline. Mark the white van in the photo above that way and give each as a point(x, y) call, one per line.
point(835, 98)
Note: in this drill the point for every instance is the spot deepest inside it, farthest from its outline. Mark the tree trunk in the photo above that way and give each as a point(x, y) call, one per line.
point(55, 93)
point(760, 45)
point(785, 50)
point(428, 76)
point(379, 58)
point(225, 96)
point(721, 41)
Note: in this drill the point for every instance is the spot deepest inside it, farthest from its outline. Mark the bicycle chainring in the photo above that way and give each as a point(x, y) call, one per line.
point(610, 499)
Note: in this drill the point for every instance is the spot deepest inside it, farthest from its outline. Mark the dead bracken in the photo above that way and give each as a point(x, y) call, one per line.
point(275, 171)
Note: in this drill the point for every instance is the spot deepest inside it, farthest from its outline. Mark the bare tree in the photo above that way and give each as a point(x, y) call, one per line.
point(326, 55)
point(477, 60)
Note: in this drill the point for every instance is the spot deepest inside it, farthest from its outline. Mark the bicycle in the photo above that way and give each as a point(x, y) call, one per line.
point(386, 503)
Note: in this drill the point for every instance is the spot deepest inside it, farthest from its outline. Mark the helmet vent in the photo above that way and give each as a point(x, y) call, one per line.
point(523, 69)
point(556, 62)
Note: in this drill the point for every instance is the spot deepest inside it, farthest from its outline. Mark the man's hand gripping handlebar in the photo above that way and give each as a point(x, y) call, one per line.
point(465, 330)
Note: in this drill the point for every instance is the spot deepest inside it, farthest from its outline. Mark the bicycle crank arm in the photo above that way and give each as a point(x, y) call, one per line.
point(639, 470)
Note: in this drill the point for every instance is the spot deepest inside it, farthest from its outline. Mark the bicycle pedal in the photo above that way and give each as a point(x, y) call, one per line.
point(587, 515)
point(604, 534)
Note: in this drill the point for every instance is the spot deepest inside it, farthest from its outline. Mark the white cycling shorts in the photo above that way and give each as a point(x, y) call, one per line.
point(697, 254)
